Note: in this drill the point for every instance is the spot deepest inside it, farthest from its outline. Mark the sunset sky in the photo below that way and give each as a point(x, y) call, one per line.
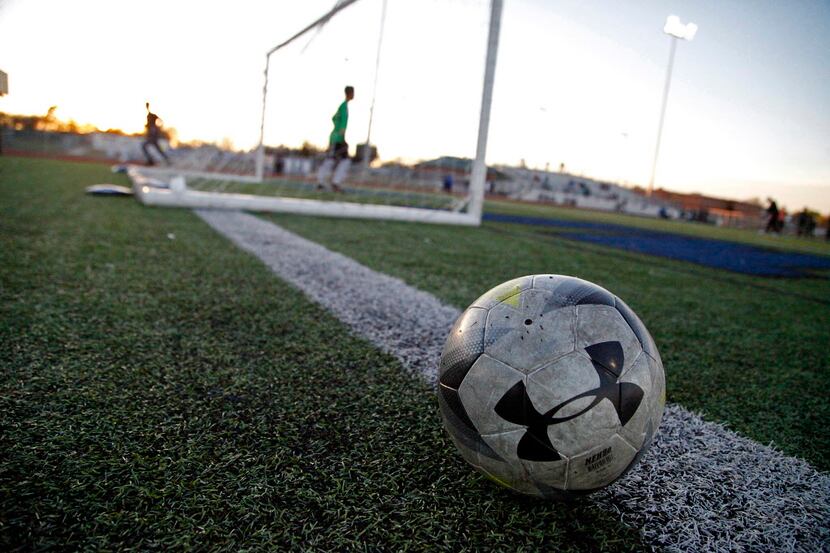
point(578, 82)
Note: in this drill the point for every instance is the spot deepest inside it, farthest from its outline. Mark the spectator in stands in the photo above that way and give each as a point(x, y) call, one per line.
point(152, 133)
point(772, 221)
point(338, 152)
point(448, 183)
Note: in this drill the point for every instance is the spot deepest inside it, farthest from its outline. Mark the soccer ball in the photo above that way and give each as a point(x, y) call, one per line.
point(551, 385)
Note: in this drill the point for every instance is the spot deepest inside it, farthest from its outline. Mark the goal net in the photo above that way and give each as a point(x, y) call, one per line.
point(409, 145)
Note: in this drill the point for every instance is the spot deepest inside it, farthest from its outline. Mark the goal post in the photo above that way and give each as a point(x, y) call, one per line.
point(480, 165)
point(428, 166)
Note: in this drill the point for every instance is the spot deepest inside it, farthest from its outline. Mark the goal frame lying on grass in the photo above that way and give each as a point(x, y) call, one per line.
point(173, 192)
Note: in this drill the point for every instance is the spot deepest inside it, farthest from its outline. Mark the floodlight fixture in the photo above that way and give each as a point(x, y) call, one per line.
point(676, 30)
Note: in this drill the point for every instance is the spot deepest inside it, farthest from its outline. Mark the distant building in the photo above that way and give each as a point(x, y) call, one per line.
point(720, 211)
point(458, 167)
point(120, 147)
point(532, 185)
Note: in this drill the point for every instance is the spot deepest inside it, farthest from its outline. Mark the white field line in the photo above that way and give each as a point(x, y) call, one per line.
point(700, 487)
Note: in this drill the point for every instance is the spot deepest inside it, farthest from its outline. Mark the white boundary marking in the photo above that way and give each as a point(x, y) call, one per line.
point(700, 487)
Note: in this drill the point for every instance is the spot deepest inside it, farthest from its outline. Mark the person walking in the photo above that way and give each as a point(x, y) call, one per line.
point(772, 212)
point(337, 155)
point(152, 133)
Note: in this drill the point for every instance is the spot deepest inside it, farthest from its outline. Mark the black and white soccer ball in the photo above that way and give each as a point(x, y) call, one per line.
point(551, 386)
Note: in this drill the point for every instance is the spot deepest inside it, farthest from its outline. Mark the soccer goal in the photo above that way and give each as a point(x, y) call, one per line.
point(421, 77)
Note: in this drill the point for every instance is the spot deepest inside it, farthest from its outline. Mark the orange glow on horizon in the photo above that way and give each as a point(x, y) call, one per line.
point(567, 90)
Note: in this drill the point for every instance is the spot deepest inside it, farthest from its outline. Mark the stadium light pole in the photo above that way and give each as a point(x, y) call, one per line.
point(676, 30)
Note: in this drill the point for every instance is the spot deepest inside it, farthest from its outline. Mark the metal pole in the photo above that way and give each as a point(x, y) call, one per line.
point(662, 113)
point(479, 173)
point(260, 154)
point(366, 159)
point(341, 5)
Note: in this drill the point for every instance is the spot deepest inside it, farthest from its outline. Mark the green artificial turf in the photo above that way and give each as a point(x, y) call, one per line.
point(747, 351)
point(161, 390)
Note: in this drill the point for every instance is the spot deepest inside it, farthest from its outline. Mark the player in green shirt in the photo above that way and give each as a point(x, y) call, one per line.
point(338, 152)
point(341, 120)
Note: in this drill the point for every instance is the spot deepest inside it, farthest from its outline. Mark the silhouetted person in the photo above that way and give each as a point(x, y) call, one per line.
point(152, 133)
point(772, 221)
point(338, 152)
point(805, 224)
point(447, 183)
point(782, 219)
point(800, 223)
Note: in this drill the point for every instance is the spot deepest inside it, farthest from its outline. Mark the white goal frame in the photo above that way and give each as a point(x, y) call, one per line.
point(146, 180)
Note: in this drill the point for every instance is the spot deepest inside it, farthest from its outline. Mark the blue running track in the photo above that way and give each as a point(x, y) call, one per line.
point(720, 254)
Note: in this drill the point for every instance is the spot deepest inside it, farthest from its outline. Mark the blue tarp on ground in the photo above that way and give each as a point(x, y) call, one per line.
point(720, 254)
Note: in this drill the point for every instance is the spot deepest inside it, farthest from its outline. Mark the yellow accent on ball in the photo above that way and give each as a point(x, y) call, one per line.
point(510, 296)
